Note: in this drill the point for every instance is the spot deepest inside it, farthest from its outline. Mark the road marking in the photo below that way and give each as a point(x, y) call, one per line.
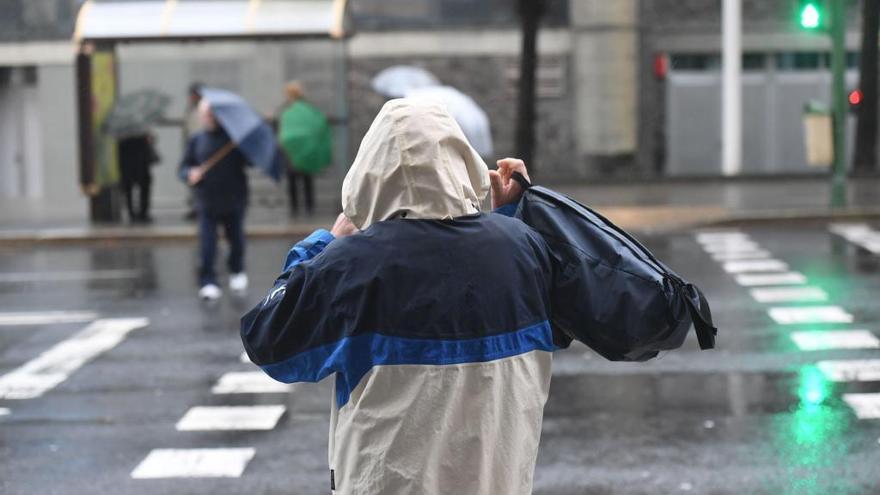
point(809, 314)
point(249, 382)
point(859, 234)
point(855, 370)
point(731, 247)
point(866, 406)
point(203, 418)
point(70, 276)
point(806, 293)
point(758, 279)
point(4, 411)
point(768, 265)
point(194, 463)
point(55, 365)
point(715, 236)
point(244, 358)
point(835, 339)
point(46, 317)
point(741, 255)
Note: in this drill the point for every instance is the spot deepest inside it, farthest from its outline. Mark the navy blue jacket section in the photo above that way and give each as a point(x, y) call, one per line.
point(224, 188)
point(399, 284)
point(610, 292)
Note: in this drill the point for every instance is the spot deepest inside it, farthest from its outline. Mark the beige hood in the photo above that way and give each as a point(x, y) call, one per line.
point(414, 162)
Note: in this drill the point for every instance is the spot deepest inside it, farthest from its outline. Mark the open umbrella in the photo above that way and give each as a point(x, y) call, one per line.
point(306, 137)
point(395, 81)
point(470, 117)
point(133, 113)
point(250, 133)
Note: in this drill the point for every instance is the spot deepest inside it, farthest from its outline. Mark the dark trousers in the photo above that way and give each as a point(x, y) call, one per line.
point(233, 228)
point(308, 189)
point(142, 182)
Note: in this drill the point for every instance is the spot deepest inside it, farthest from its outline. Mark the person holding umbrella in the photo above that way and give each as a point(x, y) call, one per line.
point(234, 137)
point(307, 140)
point(136, 156)
point(215, 169)
point(129, 122)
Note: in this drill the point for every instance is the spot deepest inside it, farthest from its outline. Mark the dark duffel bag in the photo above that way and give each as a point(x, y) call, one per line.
point(610, 292)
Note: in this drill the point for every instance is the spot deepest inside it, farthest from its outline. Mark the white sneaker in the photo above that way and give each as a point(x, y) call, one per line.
point(210, 292)
point(238, 282)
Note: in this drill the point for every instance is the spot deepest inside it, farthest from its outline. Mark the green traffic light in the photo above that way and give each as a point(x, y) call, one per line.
point(810, 16)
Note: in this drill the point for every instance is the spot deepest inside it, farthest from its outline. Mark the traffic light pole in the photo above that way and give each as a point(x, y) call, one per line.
point(838, 101)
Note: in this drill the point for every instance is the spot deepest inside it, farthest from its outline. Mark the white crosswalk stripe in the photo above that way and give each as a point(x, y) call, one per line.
point(203, 418)
point(55, 365)
point(68, 276)
point(759, 279)
point(46, 317)
point(731, 247)
point(249, 382)
point(719, 236)
point(741, 255)
point(789, 294)
point(809, 314)
point(4, 411)
point(866, 406)
point(194, 463)
point(854, 370)
point(817, 340)
point(745, 266)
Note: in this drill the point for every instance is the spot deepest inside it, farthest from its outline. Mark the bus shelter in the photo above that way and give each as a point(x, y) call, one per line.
point(103, 26)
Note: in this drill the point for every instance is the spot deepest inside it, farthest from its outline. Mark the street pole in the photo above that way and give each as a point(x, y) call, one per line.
point(838, 101)
point(731, 100)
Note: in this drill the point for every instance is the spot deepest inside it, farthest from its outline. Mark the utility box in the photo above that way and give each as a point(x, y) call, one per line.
point(818, 134)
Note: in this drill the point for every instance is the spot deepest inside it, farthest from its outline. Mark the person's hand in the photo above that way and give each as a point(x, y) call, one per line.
point(194, 176)
point(504, 189)
point(343, 227)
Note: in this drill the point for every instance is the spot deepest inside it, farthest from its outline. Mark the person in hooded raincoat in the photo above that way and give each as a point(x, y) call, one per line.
point(433, 315)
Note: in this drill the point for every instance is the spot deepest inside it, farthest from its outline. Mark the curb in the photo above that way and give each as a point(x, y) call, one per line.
point(98, 235)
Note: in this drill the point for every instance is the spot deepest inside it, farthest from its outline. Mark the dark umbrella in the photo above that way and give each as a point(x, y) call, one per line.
point(133, 113)
point(250, 133)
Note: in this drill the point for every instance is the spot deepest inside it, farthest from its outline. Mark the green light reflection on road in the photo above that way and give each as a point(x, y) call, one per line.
point(811, 438)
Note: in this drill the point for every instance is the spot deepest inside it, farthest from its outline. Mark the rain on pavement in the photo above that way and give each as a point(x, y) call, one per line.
point(114, 378)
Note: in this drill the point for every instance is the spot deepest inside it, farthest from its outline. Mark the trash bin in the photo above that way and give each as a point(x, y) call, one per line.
point(818, 134)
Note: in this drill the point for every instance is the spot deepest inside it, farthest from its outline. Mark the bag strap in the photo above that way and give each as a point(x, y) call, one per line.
point(216, 157)
point(522, 181)
point(701, 317)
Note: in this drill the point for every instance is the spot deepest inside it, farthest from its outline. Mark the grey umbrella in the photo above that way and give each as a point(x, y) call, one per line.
point(133, 113)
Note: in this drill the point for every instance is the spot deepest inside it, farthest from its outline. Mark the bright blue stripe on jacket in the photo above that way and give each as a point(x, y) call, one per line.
point(307, 248)
point(353, 357)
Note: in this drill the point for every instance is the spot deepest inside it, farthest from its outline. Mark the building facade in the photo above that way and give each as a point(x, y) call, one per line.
point(625, 89)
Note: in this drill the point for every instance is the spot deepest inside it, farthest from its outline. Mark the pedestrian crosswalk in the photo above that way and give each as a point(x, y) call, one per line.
point(206, 418)
point(860, 234)
point(55, 365)
point(804, 307)
point(220, 461)
point(194, 463)
point(19, 319)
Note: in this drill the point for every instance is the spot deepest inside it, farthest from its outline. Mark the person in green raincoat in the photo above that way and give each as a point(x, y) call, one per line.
point(307, 141)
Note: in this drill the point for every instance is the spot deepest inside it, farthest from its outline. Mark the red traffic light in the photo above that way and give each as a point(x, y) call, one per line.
point(855, 97)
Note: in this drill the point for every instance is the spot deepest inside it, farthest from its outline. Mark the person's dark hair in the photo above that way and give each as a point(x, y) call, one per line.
point(195, 88)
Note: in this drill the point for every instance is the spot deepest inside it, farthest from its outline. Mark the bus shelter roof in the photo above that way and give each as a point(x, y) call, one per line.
point(185, 20)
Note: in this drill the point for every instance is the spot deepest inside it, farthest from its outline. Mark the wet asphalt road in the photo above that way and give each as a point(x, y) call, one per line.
point(761, 414)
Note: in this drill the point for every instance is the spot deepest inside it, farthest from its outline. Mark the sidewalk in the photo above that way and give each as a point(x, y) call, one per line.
point(642, 207)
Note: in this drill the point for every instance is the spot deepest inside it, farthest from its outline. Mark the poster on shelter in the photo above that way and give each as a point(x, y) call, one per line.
point(103, 77)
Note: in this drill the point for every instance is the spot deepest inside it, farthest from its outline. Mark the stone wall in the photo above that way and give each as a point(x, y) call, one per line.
point(491, 82)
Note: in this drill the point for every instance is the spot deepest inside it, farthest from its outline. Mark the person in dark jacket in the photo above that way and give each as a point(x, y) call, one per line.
point(136, 155)
point(215, 169)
